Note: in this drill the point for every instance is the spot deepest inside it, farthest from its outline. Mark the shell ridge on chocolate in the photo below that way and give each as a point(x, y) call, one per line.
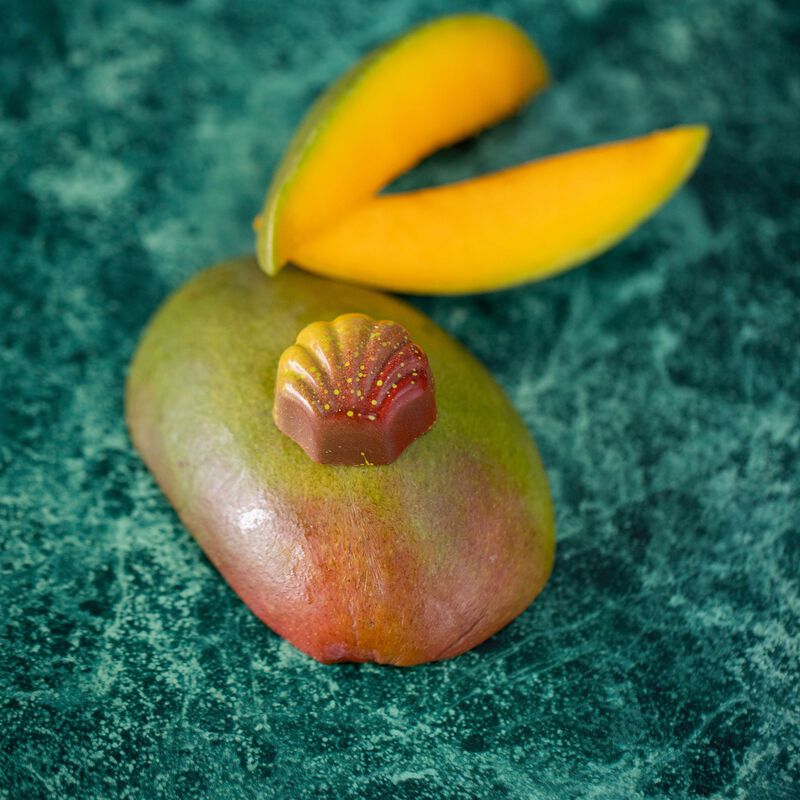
point(351, 333)
point(336, 350)
point(387, 344)
point(344, 390)
point(316, 375)
point(345, 352)
point(299, 396)
point(299, 382)
point(294, 359)
point(364, 376)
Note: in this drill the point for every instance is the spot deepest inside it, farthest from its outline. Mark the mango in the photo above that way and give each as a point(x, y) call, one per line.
point(517, 225)
point(414, 561)
point(437, 84)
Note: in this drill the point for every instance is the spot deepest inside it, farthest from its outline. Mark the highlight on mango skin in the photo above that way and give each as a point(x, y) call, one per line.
point(435, 85)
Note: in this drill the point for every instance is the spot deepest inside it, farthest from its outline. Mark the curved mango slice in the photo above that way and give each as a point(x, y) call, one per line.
point(508, 227)
point(437, 84)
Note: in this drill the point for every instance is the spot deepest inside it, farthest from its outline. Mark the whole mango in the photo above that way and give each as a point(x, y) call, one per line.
point(413, 561)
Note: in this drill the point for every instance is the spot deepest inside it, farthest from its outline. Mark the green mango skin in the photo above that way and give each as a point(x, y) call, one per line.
point(415, 561)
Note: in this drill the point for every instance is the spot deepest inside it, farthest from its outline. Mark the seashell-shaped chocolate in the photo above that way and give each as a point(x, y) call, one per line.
point(354, 391)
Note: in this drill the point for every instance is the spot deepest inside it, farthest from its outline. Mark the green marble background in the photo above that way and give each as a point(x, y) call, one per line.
point(662, 383)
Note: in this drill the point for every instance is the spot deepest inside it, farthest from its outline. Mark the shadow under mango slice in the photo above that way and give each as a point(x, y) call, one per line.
point(440, 83)
point(508, 227)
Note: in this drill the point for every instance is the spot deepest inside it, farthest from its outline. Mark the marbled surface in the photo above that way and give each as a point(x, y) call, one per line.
point(662, 383)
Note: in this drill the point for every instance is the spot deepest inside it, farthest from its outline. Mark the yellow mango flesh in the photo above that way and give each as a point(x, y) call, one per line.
point(509, 227)
point(434, 86)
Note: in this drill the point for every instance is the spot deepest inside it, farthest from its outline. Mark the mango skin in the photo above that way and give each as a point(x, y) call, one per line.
point(401, 564)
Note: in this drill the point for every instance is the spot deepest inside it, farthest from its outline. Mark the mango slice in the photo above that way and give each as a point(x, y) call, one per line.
point(414, 561)
point(434, 86)
point(512, 226)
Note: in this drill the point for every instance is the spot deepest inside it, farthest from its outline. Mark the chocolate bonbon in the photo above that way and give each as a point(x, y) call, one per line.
point(354, 391)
